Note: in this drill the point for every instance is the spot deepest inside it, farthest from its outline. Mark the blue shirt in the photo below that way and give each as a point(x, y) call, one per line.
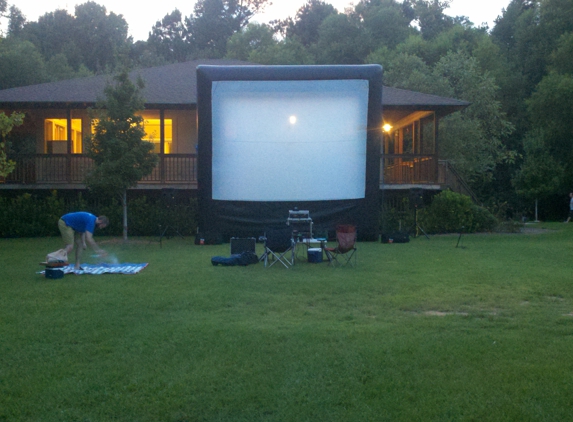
point(80, 221)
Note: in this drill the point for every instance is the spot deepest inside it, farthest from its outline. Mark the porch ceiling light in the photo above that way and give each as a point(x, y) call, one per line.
point(292, 120)
point(387, 127)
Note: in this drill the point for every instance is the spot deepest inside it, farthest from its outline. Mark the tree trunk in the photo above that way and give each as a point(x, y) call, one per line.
point(536, 219)
point(124, 205)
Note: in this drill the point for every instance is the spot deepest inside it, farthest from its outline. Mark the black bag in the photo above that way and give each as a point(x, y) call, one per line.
point(396, 237)
point(247, 258)
point(242, 259)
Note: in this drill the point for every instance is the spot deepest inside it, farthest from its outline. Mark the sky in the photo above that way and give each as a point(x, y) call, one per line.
point(141, 18)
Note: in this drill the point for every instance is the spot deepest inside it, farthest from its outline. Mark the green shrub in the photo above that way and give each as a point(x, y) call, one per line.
point(145, 216)
point(32, 215)
point(27, 215)
point(392, 219)
point(452, 212)
point(483, 219)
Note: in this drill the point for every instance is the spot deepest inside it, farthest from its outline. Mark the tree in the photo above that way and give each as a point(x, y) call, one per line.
point(213, 22)
point(540, 174)
point(100, 36)
point(431, 17)
point(142, 56)
point(16, 21)
point(120, 154)
point(58, 69)
point(341, 41)
point(168, 38)
point(254, 37)
point(91, 37)
point(285, 52)
point(20, 64)
point(386, 22)
point(474, 138)
point(551, 109)
point(304, 27)
point(562, 56)
point(7, 123)
point(54, 33)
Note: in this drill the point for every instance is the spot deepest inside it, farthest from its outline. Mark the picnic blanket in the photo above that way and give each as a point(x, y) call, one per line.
point(96, 269)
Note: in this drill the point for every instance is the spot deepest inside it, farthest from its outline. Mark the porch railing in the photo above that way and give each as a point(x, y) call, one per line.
point(454, 180)
point(72, 168)
point(408, 169)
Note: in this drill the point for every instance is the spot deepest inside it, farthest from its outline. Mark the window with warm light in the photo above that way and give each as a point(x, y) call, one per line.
point(415, 134)
point(152, 129)
point(56, 136)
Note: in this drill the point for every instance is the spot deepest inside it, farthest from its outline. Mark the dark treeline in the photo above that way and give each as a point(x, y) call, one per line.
point(513, 144)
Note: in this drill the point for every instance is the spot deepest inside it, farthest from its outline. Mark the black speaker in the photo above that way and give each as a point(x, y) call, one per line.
point(240, 245)
point(416, 197)
point(169, 197)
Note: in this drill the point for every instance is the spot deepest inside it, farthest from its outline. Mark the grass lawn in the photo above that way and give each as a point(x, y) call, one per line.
point(422, 331)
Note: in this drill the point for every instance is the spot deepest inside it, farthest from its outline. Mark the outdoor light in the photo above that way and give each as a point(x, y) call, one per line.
point(387, 127)
point(292, 120)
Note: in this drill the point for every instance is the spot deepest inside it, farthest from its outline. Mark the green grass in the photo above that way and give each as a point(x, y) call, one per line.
point(422, 331)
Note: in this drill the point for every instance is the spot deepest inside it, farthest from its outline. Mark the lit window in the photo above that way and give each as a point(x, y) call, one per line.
point(152, 129)
point(56, 136)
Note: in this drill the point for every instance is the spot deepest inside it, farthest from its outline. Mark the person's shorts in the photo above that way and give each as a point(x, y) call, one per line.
point(67, 232)
point(570, 213)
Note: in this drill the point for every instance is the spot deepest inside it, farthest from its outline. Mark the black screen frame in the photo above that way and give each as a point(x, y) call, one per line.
point(243, 218)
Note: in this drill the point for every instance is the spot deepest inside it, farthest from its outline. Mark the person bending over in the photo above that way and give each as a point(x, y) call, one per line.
point(77, 228)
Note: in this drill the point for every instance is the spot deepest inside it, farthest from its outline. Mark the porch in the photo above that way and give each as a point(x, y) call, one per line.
point(179, 171)
point(67, 171)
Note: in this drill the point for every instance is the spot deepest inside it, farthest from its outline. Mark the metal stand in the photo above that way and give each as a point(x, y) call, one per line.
point(164, 233)
point(170, 200)
point(458, 245)
point(418, 227)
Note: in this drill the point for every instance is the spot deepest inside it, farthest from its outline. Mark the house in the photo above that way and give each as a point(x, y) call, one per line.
point(50, 151)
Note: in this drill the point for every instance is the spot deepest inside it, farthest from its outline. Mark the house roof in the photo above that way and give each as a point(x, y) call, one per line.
point(175, 85)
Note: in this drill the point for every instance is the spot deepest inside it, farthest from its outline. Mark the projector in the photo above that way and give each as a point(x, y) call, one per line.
point(298, 215)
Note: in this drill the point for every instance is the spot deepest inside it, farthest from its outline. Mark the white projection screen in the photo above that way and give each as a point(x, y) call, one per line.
point(289, 140)
point(275, 138)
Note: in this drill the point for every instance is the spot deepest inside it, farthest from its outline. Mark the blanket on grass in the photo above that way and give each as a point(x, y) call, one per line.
point(96, 269)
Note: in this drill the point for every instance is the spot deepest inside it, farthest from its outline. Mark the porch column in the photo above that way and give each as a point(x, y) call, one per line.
point(69, 145)
point(436, 164)
point(162, 145)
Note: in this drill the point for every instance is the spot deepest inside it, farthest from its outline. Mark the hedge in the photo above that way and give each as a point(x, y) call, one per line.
point(451, 212)
point(34, 215)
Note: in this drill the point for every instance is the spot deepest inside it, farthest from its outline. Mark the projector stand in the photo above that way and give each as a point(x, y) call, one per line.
point(163, 233)
point(418, 227)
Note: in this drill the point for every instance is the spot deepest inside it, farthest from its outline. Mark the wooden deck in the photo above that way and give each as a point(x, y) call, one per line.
point(179, 171)
point(43, 171)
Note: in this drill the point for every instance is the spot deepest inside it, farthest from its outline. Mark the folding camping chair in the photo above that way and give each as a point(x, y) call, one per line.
point(346, 248)
point(279, 247)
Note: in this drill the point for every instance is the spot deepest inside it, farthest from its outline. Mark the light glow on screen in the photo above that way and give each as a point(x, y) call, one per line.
point(289, 140)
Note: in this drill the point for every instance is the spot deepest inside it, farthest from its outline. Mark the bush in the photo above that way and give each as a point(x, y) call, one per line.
point(146, 215)
point(32, 215)
point(452, 212)
point(28, 216)
point(483, 219)
point(393, 219)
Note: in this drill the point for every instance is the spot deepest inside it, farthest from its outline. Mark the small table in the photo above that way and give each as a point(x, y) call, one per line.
point(309, 242)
